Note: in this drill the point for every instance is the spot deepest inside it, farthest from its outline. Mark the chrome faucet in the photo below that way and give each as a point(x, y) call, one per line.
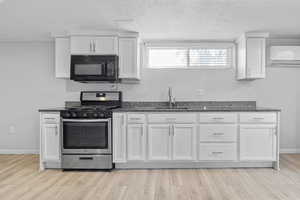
point(172, 102)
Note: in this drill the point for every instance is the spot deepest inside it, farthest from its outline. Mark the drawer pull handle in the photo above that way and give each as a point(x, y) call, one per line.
point(216, 152)
point(135, 118)
point(86, 158)
point(218, 134)
point(49, 118)
point(258, 118)
point(218, 118)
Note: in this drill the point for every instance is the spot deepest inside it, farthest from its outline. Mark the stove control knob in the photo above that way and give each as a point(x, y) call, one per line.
point(84, 115)
point(95, 115)
point(73, 114)
point(67, 115)
point(101, 115)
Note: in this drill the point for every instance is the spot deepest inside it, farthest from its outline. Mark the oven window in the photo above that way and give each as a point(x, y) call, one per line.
point(89, 69)
point(85, 135)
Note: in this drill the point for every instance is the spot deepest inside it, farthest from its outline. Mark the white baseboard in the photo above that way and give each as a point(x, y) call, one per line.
point(19, 151)
point(290, 150)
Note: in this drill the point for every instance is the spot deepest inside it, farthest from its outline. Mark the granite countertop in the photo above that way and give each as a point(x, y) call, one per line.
point(186, 106)
point(195, 109)
point(195, 106)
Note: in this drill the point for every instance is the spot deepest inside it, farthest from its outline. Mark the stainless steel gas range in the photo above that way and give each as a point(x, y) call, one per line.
point(87, 131)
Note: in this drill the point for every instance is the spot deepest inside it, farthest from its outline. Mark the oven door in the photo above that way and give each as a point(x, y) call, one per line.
point(86, 136)
point(94, 68)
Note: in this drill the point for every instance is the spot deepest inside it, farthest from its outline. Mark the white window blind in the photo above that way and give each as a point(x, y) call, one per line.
point(190, 56)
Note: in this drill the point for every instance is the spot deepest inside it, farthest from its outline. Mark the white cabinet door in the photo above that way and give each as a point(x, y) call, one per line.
point(184, 142)
point(159, 142)
point(257, 143)
point(62, 57)
point(50, 143)
point(256, 64)
point(119, 138)
point(129, 58)
point(135, 142)
point(251, 56)
point(106, 45)
point(82, 45)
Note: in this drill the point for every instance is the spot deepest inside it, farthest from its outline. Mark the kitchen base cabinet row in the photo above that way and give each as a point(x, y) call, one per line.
point(195, 140)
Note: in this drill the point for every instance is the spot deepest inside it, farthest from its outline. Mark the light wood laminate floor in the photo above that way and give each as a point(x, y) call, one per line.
point(20, 179)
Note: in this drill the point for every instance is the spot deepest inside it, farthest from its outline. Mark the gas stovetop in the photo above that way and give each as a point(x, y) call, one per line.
point(94, 105)
point(91, 112)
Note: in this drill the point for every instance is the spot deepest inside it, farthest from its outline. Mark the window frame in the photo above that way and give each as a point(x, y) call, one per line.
point(189, 45)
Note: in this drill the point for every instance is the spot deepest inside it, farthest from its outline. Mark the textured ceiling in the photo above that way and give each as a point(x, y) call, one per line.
point(153, 19)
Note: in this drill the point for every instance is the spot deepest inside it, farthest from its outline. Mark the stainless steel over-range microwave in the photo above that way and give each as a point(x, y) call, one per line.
point(94, 68)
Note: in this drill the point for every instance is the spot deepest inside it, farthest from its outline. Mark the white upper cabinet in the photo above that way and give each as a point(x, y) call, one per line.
point(98, 45)
point(129, 62)
point(251, 50)
point(62, 57)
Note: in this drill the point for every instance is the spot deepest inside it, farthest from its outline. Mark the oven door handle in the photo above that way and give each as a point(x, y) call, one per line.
point(85, 120)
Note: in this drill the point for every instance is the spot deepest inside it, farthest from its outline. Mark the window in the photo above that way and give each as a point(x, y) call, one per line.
point(190, 55)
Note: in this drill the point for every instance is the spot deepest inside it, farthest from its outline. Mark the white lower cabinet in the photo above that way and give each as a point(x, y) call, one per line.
point(183, 142)
point(258, 142)
point(119, 137)
point(191, 140)
point(174, 142)
point(217, 151)
point(136, 142)
point(50, 141)
point(159, 142)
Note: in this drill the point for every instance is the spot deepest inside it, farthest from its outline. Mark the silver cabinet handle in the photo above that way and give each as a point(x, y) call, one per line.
point(123, 120)
point(49, 118)
point(171, 118)
point(258, 118)
point(218, 134)
point(173, 130)
point(94, 46)
point(135, 118)
point(56, 130)
point(216, 152)
point(218, 118)
point(91, 48)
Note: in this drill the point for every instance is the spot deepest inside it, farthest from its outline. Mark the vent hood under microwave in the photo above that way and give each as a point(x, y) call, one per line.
point(94, 68)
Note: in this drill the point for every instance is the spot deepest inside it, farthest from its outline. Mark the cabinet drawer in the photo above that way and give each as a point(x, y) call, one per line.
point(172, 118)
point(218, 117)
point(218, 152)
point(51, 118)
point(136, 118)
point(258, 117)
point(218, 133)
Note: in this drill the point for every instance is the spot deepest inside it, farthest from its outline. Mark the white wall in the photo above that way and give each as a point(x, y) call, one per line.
point(27, 83)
